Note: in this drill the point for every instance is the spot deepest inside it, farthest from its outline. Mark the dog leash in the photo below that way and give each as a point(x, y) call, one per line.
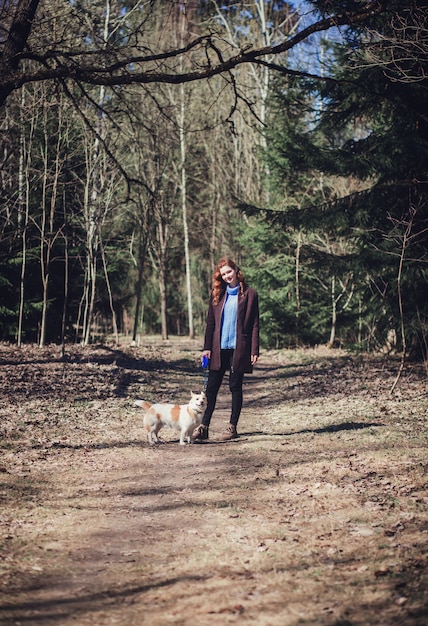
point(205, 362)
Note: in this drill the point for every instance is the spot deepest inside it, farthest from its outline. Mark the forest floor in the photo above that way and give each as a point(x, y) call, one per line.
point(316, 515)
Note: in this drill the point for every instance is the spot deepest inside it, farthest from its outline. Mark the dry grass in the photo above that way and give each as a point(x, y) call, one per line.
point(316, 515)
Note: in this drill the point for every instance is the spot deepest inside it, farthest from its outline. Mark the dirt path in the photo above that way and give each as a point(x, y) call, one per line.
point(316, 515)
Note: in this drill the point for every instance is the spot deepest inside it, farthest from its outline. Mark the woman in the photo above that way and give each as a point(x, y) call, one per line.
point(231, 342)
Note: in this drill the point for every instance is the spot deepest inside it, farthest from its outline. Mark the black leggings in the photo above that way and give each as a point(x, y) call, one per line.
point(215, 378)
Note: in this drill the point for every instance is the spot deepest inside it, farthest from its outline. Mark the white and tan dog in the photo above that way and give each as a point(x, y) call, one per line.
point(182, 417)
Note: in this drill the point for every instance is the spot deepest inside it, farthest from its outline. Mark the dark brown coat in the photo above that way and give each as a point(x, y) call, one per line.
point(247, 331)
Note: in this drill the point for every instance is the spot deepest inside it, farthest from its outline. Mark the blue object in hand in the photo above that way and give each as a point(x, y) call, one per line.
point(205, 361)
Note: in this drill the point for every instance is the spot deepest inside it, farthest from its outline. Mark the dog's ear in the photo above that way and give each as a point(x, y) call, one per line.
point(143, 404)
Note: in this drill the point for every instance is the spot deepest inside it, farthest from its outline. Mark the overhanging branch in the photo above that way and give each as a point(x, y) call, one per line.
point(117, 67)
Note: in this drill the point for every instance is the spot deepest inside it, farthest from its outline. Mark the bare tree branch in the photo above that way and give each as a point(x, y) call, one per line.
point(402, 51)
point(118, 64)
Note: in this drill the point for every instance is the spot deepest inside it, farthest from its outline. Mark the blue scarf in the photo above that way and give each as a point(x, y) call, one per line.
point(228, 320)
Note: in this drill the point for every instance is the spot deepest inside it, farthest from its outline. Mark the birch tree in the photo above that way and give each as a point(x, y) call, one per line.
point(25, 144)
point(52, 153)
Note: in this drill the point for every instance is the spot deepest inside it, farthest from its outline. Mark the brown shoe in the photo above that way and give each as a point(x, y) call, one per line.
point(200, 434)
point(230, 433)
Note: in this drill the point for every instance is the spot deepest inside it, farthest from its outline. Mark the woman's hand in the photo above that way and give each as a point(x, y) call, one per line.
point(254, 359)
point(207, 354)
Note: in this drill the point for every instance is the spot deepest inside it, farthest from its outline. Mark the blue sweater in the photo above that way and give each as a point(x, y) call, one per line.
point(228, 321)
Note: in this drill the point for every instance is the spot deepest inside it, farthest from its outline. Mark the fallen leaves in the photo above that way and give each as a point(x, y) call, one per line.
point(236, 609)
point(324, 497)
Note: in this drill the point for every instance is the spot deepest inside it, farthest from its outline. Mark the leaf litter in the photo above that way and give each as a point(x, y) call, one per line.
point(317, 514)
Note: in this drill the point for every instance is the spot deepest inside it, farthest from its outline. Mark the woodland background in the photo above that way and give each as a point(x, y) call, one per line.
point(307, 163)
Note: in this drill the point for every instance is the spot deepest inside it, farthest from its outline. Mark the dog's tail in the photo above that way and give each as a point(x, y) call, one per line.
point(143, 404)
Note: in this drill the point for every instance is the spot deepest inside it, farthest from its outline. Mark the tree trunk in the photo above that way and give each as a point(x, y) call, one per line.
point(48, 235)
point(297, 288)
point(163, 301)
point(44, 260)
point(89, 296)
point(66, 276)
point(93, 206)
point(110, 295)
point(405, 242)
point(16, 42)
point(184, 213)
point(23, 201)
point(162, 239)
point(139, 286)
point(330, 343)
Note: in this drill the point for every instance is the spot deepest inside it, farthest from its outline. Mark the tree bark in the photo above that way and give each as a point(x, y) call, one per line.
point(15, 44)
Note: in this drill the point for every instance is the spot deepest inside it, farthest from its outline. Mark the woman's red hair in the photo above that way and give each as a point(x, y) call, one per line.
point(219, 286)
